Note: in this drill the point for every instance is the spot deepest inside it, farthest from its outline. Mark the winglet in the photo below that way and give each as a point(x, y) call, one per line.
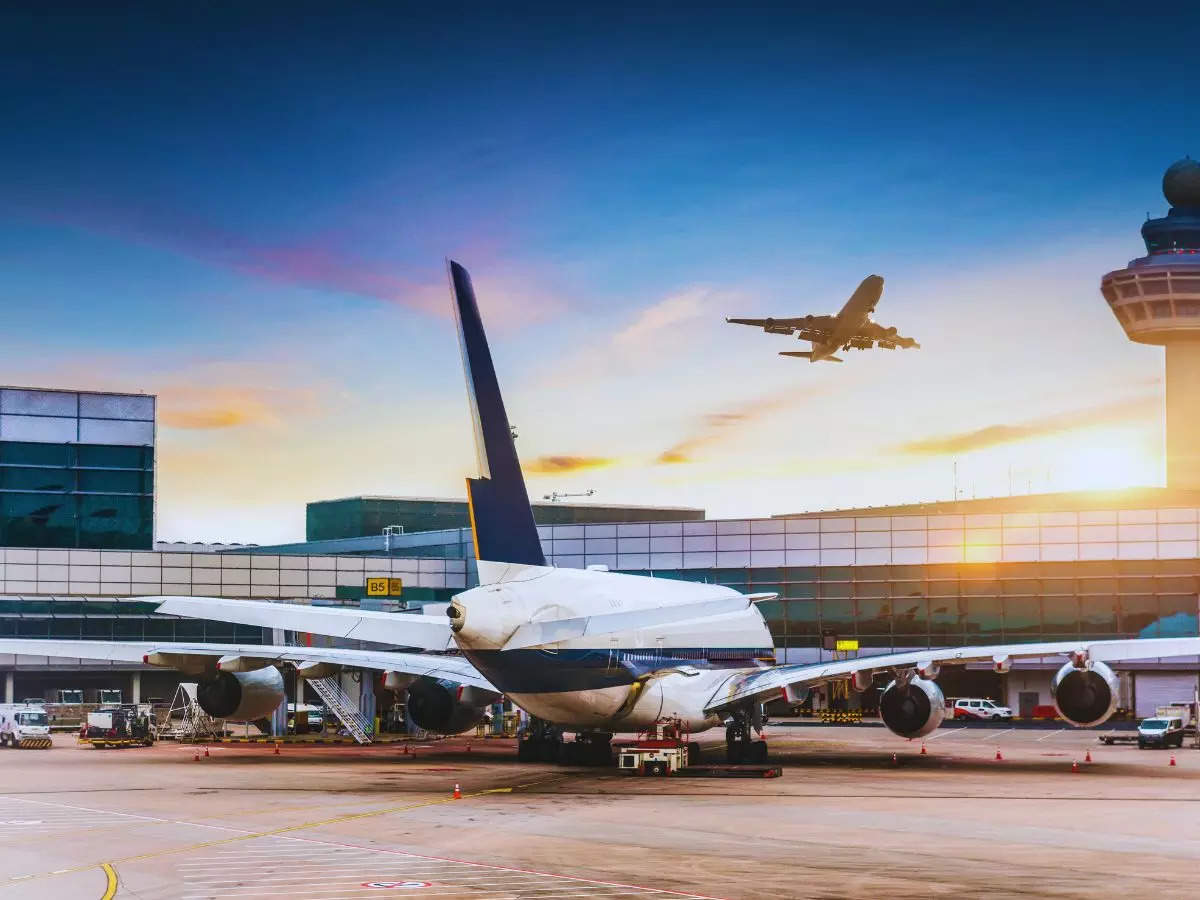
point(501, 518)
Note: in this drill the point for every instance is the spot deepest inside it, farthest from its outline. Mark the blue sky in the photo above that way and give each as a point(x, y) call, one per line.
point(247, 211)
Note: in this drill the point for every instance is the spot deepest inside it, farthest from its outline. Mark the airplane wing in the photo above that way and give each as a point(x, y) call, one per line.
point(768, 684)
point(199, 658)
point(886, 336)
point(808, 328)
point(400, 629)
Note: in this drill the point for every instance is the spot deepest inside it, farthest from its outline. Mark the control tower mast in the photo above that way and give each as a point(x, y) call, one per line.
point(1156, 298)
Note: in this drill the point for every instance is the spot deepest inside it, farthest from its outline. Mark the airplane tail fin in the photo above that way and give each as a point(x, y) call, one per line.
point(805, 354)
point(501, 518)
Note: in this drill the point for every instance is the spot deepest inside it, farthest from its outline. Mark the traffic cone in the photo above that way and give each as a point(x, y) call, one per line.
point(923, 751)
point(468, 746)
point(998, 756)
point(406, 749)
point(1075, 765)
point(457, 792)
point(206, 753)
point(196, 758)
point(1088, 756)
point(277, 748)
point(895, 762)
point(1172, 762)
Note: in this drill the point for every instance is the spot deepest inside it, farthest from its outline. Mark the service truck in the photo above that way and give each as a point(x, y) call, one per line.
point(118, 726)
point(24, 725)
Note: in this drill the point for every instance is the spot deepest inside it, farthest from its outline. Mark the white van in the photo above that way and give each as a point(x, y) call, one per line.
point(971, 708)
point(24, 725)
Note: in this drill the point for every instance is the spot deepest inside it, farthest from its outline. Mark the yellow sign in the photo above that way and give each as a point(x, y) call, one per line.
point(846, 644)
point(385, 587)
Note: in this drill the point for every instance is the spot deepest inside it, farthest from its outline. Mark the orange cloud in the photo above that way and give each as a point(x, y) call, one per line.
point(557, 465)
point(995, 435)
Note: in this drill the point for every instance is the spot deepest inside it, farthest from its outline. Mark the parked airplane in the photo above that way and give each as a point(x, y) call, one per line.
point(850, 328)
point(594, 652)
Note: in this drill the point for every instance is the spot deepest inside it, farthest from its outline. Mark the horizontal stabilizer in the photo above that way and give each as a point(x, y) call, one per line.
point(537, 634)
point(805, 354)
point(398, 629)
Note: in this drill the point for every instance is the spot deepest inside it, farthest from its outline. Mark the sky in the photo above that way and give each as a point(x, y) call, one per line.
point(247, 211)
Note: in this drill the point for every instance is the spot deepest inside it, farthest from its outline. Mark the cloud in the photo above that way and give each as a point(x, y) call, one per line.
point(669, 314)
point(216, 407)
point(556, 465)
point(995, 435)
point(320, 261)
point(713, 429)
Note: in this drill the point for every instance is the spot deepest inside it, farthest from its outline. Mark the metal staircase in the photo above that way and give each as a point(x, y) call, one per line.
point(336, 700)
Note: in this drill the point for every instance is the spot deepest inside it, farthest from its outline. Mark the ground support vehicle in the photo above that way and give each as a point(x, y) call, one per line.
point(24, 725)
point(118, 726)
point(979, 708)
point(1160, 731)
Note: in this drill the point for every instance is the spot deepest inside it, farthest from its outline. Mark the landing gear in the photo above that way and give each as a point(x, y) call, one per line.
point(540, 742)
point(740, 744)
point(588, 749)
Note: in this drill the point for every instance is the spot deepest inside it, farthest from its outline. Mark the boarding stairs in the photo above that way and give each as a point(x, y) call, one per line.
point(186, 720)
point(339, 703)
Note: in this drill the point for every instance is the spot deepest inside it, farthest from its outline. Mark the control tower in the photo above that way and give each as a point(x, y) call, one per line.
point(1156, 298)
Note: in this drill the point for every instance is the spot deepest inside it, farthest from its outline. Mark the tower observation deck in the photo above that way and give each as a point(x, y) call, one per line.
point(1156, 298)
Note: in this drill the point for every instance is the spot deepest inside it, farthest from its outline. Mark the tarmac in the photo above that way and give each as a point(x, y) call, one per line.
point(318, 822)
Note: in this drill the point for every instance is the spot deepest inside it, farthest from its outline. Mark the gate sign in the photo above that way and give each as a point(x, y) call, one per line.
point(846, 644)
point(398, 885)
point(385, 587)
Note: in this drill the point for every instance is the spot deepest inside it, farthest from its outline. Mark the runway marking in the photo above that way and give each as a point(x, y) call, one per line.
point(1005, 731)
point(946, 732)
point(433, 863)
point(110, 890)
point(1050, 734)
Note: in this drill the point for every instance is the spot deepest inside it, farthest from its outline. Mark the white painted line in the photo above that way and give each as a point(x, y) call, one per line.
point(1005, 731)
point(944, 732)
point(1051, 734)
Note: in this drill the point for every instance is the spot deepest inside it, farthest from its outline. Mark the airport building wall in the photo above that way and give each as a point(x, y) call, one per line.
point(76, 469)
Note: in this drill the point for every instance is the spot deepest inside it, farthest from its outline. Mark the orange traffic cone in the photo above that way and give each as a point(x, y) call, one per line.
point(1088, 756)
point(998, 756)
point(923, 751)
point(1172, 762)
point(468, 746)
point(277, 748)
point(196, 758)
point(1075, 765)
point(206, 753)
point(457, 792)
point(895, 761)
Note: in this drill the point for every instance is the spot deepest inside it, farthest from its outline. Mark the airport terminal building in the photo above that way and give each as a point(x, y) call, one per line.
point(1017, 569)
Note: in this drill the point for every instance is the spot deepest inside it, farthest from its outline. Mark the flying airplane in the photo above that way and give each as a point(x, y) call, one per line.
point(851, 328)
point(593, 652)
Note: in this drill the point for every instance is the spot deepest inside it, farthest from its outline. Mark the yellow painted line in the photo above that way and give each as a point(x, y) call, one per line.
point(336, 820)
point(110, 873)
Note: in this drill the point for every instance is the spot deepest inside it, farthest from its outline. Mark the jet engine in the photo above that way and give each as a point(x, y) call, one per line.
point(241, 696)
point(1085, 696)
point(444, 707)
point(912, 710)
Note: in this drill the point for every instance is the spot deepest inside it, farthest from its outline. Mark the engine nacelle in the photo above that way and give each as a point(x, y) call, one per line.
point(242, 696)
point(1085, 696)
point(912, 710)
point(444, 707)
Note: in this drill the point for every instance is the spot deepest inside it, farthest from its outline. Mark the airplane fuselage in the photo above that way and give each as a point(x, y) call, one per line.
point(610, 682)
point(852, 317)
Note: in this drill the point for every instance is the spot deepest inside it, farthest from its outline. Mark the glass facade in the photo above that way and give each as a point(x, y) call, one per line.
point(76, 470)
point(356, 517)
point(111, 619)
point(888, 607)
